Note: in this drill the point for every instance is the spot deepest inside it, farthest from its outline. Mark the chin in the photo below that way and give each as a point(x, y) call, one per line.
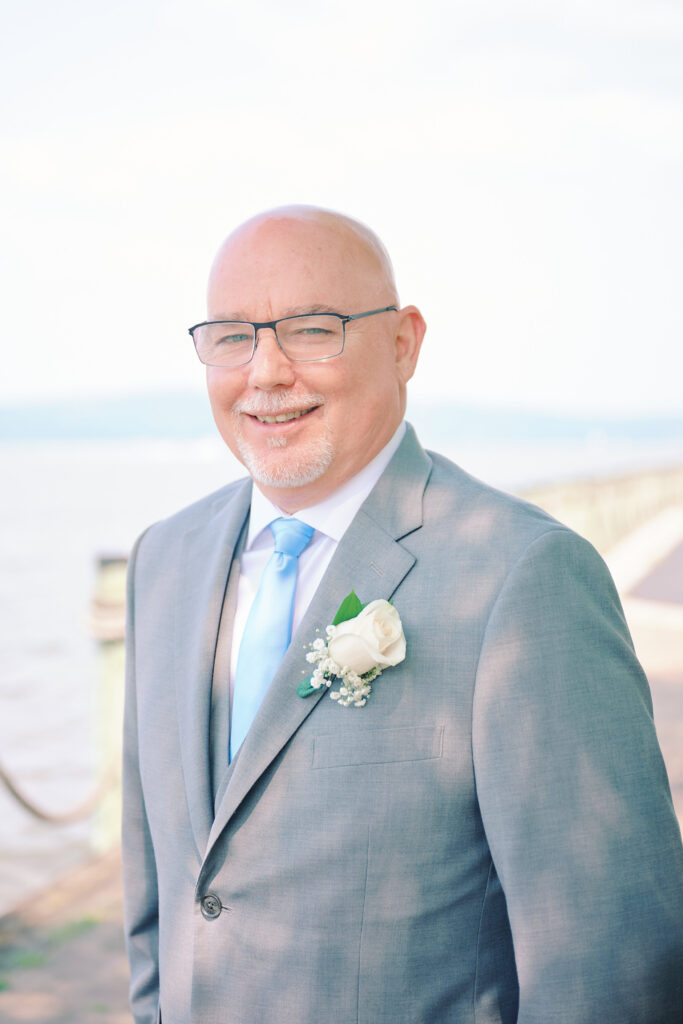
point(279, 466)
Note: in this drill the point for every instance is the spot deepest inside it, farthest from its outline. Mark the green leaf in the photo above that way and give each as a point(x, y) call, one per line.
point(348, 609)
point(304, 689)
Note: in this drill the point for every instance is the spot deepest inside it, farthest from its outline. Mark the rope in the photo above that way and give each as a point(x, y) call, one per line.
point(78, 813)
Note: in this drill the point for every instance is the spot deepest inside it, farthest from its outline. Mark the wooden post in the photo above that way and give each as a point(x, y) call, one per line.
point(107, 623)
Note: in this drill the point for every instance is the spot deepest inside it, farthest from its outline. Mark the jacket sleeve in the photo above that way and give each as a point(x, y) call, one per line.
point(574, 797)
point(139, 869)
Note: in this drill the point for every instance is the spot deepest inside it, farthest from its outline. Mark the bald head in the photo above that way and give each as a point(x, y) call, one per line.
point(320, 243)
point(301, 426)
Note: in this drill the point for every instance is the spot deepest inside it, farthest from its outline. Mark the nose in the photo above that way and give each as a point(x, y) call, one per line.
point(270, 367)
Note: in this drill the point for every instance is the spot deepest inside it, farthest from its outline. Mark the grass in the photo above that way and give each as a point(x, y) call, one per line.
point(71, 930)
point(36, 955)
point(28, 958)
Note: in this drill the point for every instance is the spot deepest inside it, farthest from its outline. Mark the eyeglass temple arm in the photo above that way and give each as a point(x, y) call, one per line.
point(371, 312)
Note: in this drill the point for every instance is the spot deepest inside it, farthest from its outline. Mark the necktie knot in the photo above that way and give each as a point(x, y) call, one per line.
point(291, 536)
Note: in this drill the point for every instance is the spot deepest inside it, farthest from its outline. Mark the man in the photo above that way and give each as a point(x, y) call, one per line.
point(483, 833)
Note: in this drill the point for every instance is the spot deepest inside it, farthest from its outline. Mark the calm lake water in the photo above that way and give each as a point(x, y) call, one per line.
point(65, 504)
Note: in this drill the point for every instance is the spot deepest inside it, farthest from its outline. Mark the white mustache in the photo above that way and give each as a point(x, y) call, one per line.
point(276, 402)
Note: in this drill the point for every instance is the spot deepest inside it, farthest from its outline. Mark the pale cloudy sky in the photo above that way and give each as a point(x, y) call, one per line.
point(522, 160)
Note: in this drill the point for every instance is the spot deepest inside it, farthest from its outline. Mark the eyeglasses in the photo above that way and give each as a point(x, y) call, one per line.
point(303, 339)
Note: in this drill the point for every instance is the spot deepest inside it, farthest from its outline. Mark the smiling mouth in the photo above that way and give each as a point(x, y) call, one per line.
point(284, 417)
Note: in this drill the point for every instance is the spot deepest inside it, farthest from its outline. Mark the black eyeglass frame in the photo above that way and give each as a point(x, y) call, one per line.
point(273, 325)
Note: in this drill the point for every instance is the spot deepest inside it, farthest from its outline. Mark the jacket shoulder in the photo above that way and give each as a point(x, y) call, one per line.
point(489, 529)
point(454, 490)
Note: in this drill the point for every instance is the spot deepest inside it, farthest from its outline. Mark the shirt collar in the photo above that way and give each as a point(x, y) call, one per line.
point(334, 514)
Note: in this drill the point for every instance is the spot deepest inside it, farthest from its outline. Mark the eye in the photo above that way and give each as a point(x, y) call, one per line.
point(311, 328)
point(234, 338)
point(312, 331)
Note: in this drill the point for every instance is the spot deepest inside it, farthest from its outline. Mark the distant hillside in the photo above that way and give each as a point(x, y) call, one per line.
point(444, 421)
point(187, 415)
point(167, 416)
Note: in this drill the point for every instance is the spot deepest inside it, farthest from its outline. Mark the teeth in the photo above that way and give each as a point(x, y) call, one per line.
point(284, 417)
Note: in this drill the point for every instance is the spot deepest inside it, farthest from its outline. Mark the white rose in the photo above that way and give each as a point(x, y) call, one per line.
point(374, 637)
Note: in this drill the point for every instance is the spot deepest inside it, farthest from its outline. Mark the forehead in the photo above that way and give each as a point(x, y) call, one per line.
point(278, 264)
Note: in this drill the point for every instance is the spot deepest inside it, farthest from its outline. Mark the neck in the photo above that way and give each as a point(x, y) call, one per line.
point(293, 500)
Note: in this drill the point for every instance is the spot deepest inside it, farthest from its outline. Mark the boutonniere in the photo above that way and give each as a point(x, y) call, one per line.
point(361, 642)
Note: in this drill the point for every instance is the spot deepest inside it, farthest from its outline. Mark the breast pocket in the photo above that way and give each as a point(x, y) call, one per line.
point(378, 746)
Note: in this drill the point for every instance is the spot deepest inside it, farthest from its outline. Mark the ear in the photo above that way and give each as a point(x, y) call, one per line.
point(409, 335)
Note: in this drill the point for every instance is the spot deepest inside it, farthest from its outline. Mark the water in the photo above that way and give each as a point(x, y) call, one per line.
point(63, 505)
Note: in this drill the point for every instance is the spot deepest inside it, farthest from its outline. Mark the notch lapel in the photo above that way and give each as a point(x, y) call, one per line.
point(368, 560)
point(205, 565)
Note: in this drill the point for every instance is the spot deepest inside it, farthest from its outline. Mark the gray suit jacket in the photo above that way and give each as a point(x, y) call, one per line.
point(490, 839)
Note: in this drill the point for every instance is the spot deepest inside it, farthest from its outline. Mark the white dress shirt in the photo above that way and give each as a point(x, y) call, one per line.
point(329, 518)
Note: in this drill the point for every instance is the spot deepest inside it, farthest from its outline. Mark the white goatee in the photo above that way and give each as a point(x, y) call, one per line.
point(310, 459)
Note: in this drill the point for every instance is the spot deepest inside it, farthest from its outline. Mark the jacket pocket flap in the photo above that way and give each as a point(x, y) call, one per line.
point(377, 746)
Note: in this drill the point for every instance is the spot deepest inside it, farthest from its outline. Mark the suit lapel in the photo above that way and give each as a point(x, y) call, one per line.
point(368, 560)
point(206, 556)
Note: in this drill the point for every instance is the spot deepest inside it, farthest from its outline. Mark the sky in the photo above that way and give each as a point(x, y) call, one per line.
point(521, 160)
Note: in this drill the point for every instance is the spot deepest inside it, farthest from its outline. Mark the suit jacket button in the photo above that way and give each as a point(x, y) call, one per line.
point(211, 907)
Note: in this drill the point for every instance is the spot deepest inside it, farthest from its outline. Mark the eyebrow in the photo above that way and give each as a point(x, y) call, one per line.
point(293, 311)
point(317, 308)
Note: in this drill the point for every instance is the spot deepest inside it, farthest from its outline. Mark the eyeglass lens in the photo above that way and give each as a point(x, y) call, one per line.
point(302, 338)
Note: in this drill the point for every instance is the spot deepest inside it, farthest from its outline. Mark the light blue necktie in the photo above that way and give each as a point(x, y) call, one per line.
point(268, 630)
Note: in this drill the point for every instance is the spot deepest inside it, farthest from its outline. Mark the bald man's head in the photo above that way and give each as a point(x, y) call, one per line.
point(308, 230)
point(303, 424)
